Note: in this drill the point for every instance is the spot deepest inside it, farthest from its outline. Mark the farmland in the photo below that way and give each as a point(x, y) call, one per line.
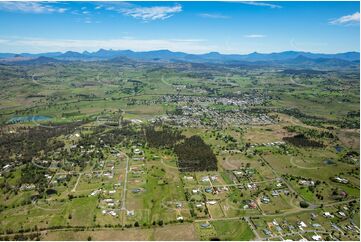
point(108, 150)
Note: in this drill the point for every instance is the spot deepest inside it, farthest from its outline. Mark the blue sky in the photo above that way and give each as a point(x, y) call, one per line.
point(193, 27)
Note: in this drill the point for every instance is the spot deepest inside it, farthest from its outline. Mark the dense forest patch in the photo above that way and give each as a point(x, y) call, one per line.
point(301, 140)
point(194, 155)
point(165, 137)
point(28, 141)
point(311, 133)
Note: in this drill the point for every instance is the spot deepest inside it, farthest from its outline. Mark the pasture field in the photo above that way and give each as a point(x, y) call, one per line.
point(151, 151)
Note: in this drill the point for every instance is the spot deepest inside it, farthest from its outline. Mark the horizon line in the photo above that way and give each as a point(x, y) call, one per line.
point(248, 53)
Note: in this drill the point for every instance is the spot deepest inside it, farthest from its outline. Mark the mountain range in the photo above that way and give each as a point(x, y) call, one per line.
point(280, 58)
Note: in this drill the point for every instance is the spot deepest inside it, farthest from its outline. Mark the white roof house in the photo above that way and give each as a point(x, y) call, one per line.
point(211, 202)
point(316, 237)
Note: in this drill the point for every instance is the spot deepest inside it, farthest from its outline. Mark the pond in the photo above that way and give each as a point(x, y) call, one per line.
point(23, 119)
point(338, 148)
point(329, 162)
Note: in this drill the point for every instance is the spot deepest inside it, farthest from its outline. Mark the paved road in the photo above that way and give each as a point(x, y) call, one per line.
point(232, 185)
point(295, 233)
point(254, 230)
point(125, 181)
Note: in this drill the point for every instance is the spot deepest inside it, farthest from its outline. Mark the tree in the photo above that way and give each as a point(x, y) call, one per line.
point(304, 204)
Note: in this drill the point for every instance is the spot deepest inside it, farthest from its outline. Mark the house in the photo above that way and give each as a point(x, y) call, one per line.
point(110, 212)
point(316, 225)
point(47, 176)
point(307, 183)
point(275, 193)
point(180, 218)
point(136, 190)
point(265, 200)
point(251, 186)
point(328, 215)
point(116, 185)
point(278, 228)
point(275, 222)
point(95, 192)
point(342, 214)
point(302, 224)
point(130, 213)
point(316, 237)
point(252, 204)
point(136, 121)
point(238, 173)
point(188, 178)
point(211, 202)
point(205, 225)
point(291, 227)
point(267, 232)
point(109, 175)
point(225, 189)
point(205, 179)
point(341, 180)
point(336, 227)
point(195, 191)
point(137, 151)
point(112, 192)
point(27, 187)
point(61, 178)
point(214, 178)
point(178, 205)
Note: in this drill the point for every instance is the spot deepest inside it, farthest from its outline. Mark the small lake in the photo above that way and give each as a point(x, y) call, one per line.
point(23, 119)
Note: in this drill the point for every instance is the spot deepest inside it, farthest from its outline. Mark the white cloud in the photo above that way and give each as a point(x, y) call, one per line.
point(262, 4)
point(43, 45)
point(255, 36)
point(152, 13)
point(144, 13)
point(213, 15)
point(347, 19)
point(30, 7)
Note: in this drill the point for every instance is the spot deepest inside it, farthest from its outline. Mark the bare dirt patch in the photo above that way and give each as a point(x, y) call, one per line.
point(176, 232)
point(107, 235)
point(350, 138)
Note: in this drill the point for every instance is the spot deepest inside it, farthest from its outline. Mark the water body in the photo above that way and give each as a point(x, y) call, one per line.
point(338, 148)
point(24, 119)
point(329, 162)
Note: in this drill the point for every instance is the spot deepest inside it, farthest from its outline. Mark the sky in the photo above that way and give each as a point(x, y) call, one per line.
point(192, 27)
